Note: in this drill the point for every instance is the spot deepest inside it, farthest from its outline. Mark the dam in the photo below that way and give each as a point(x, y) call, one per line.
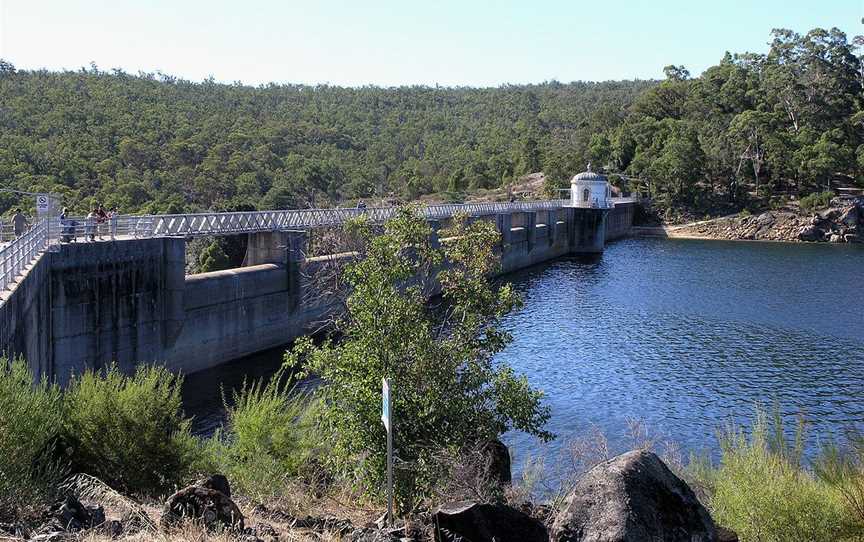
point(127, 299)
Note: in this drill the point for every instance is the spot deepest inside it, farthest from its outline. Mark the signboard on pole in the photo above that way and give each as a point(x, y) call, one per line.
point(387, 418)
point(385, 403)
point(43, 204)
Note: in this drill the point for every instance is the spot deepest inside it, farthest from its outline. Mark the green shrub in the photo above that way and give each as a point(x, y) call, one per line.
point(269, 436)
point(843, 469)
point(30, 421)
point(449, 391)
point(816, 200)
point(761, 491)
point(129, 431)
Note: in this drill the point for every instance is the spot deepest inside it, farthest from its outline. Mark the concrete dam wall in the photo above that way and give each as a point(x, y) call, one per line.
point(129, 301)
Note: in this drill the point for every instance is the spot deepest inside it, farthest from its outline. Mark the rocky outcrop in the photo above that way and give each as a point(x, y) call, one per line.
point(632, 498)
point(486, 523)
point(210, 506)
point(843, 223)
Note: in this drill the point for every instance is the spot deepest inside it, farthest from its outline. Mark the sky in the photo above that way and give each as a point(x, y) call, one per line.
point(402, 42)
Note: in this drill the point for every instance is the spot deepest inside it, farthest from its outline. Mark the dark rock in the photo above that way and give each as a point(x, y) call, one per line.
point(497, 468)
point(726, 535)
point(852, 238)
point(630, 498)
point(217, 482)
point(810, 233)
point(213, 508)
point(70, 515)
point(486, 523)
point(849, 217)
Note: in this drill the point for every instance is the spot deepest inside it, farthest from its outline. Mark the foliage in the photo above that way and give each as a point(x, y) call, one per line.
point(761, 490)
point(269, 435)
point(816, 200)
point(751, 127)
point(156, 143)
point(448, 393)
point(30, 421)
point(843, 469)
point(129, 431)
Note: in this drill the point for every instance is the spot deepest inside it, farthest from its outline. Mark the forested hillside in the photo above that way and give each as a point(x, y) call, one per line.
point(751, 131)
point(752, 128)
point(157, 144)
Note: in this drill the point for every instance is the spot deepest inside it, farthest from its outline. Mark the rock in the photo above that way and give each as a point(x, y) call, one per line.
point(497, 468)
point(212, 507)
point(810, 233)
point(726, 535)
point(70, 515)
point(849, 217)
point(217, 482)
point(765, 219)
point(836, 238)
point(630, 498)
point(486, 523)
point(852, 238)
point(829, 214)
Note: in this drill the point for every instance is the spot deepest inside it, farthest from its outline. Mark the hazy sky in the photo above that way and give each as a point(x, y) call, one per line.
point(392, 42)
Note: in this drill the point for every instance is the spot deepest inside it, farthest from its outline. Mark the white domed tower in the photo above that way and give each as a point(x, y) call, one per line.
point(590, 189)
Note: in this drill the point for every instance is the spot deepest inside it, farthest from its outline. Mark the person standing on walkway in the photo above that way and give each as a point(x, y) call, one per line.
point(19, 223)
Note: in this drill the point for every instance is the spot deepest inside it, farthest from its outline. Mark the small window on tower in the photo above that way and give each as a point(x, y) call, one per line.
point(586, 194)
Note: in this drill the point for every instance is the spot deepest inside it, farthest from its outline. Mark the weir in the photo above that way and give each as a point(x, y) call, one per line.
point(128, 301)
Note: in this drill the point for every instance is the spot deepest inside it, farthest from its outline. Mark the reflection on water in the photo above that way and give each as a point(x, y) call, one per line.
point(683, 335)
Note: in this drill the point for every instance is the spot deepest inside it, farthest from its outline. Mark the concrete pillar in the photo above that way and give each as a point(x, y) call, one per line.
point(505, 224)
point(552, 226)
point(175, 284)
point(279, 247)
point(531, 229)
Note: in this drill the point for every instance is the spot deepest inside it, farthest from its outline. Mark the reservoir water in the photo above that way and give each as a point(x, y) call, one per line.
point(681, 335)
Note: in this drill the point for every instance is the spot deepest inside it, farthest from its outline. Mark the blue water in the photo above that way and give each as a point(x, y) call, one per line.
point(684, 336)
point(681, 335)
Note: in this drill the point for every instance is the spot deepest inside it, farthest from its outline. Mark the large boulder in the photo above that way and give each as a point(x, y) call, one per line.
point(633, 498)
point(497, 467)
point(849, 217)
point(810, 233)
point(470, 521)
point(209, 506)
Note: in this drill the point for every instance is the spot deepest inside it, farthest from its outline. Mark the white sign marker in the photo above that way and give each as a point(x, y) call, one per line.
point(387, 418)
point(43, 204)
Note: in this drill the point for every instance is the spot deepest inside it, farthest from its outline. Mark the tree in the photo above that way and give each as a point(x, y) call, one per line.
point(449, 392)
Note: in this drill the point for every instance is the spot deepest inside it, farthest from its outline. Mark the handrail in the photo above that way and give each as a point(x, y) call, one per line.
point(21, 252)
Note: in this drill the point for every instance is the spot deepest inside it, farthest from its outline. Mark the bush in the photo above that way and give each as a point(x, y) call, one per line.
point(816, 200)
point(761, 491)
point(269, 437)
point(843, 469)
point(30, 421)
point(129, 431)
point(449, 393)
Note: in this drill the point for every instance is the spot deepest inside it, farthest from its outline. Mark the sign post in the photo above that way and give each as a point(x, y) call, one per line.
point(387, 418)
point(43, 204)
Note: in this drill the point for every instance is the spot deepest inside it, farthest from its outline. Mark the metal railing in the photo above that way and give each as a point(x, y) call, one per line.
point(17, 254)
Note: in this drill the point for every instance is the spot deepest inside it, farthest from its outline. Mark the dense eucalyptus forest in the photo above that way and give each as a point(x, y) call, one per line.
point(749, 130)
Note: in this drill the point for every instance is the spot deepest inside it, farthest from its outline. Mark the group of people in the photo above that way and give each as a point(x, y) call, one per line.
point(94, 224)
